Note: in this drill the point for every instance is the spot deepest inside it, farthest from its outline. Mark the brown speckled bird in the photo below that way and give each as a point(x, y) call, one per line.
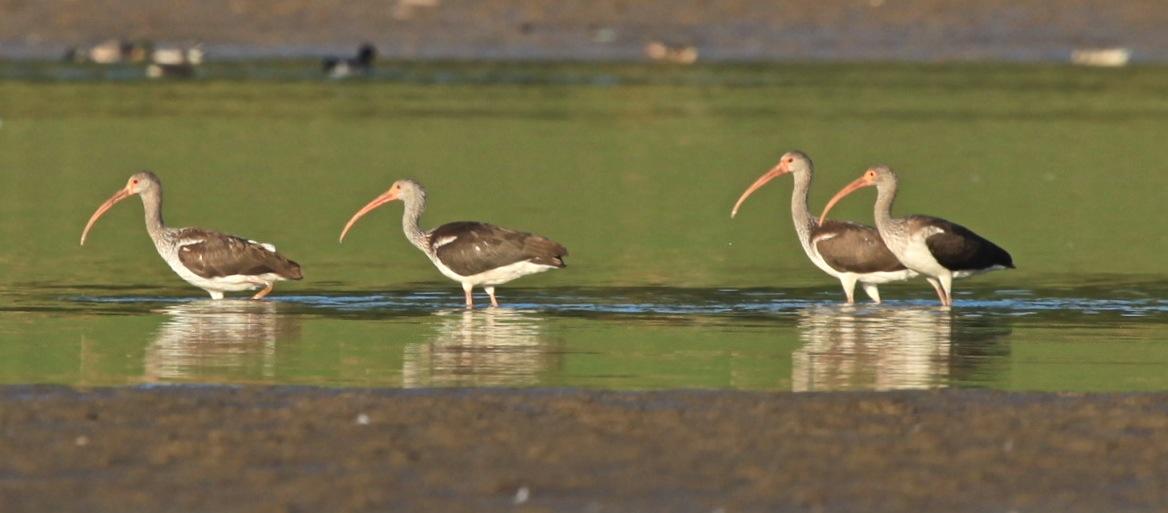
point(471, 253)
point(212, 261)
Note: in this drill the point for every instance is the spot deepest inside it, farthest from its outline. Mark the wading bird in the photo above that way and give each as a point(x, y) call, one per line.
point(471, 253)
point(848, 251)
point(934, 247)
point(341, 67)
point(212, 261)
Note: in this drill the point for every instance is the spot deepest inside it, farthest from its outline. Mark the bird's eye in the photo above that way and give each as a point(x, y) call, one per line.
point(790, 160)
point(134, 182)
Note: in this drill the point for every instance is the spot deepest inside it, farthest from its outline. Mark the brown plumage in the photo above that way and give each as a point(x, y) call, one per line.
point(480, 247)
point(853, 247)
point(212, 261)
point(471, 253)
point(212, 254)
point(851, 252)
point(938, 249)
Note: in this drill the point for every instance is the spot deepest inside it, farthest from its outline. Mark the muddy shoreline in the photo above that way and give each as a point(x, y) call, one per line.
point(217, 448)
point(728, 30)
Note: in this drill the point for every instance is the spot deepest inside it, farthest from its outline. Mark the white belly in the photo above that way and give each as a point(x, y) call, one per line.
point(886, 276)
point(216, 286)
point(497, 276)
point(916, 255)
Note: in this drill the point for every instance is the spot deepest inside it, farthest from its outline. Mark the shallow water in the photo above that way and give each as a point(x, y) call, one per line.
point(621, 338)
point(636, 176)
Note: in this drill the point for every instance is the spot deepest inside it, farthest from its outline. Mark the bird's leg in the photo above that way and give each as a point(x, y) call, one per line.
point(872, 291)
point(491, 292)
point(940, 291)
point(466, 288)
point(848, 281)
point(947, 287)
point(946, 300)
point(215, 294)
point(267, 290)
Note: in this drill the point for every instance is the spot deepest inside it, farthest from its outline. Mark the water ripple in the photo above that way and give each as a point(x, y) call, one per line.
point(652, 301)
point(1092, 338)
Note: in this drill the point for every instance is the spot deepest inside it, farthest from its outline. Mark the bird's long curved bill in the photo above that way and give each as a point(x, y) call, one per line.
point(377, 202)
point(856, 185)
point(109, 203)
point(775, 172)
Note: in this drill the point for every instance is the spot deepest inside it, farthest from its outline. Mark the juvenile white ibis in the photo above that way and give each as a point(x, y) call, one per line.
point(934, 247)
point(212, 261)
point(471, 253)
point(848, 251)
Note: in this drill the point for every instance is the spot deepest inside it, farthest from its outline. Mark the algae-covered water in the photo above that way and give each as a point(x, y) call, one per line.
point(634, 169)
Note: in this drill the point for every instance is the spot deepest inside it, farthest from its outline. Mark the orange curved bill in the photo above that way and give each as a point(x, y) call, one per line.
point(109, 203)
point(377, 202)
point(775, 172)
point(856, 185)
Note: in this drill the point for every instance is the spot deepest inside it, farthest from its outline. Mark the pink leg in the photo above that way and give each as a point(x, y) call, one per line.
point(940, 291)
point(469, 299)
point(491, 292)
point(267, 290)
point(849, 283)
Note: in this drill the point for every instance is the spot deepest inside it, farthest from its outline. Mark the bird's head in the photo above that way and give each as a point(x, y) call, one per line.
point(144, 182)
point(878, 176)
point(409, 190)
point(795, 162)
point(406, 190)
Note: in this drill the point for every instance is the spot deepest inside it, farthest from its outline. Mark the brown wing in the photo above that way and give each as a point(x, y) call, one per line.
point(959, 249)
point(852, 247)
point(212, 254)
point(479, 247)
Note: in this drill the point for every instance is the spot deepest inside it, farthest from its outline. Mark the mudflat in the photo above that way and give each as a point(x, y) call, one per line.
point(289, 449)
point(917, 30)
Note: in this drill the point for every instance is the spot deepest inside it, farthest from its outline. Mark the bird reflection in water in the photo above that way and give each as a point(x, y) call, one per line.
point(232, 340)
point(850, 348)
point(489, 347)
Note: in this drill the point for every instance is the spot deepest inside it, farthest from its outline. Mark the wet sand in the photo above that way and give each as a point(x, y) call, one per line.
point(287, 449)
